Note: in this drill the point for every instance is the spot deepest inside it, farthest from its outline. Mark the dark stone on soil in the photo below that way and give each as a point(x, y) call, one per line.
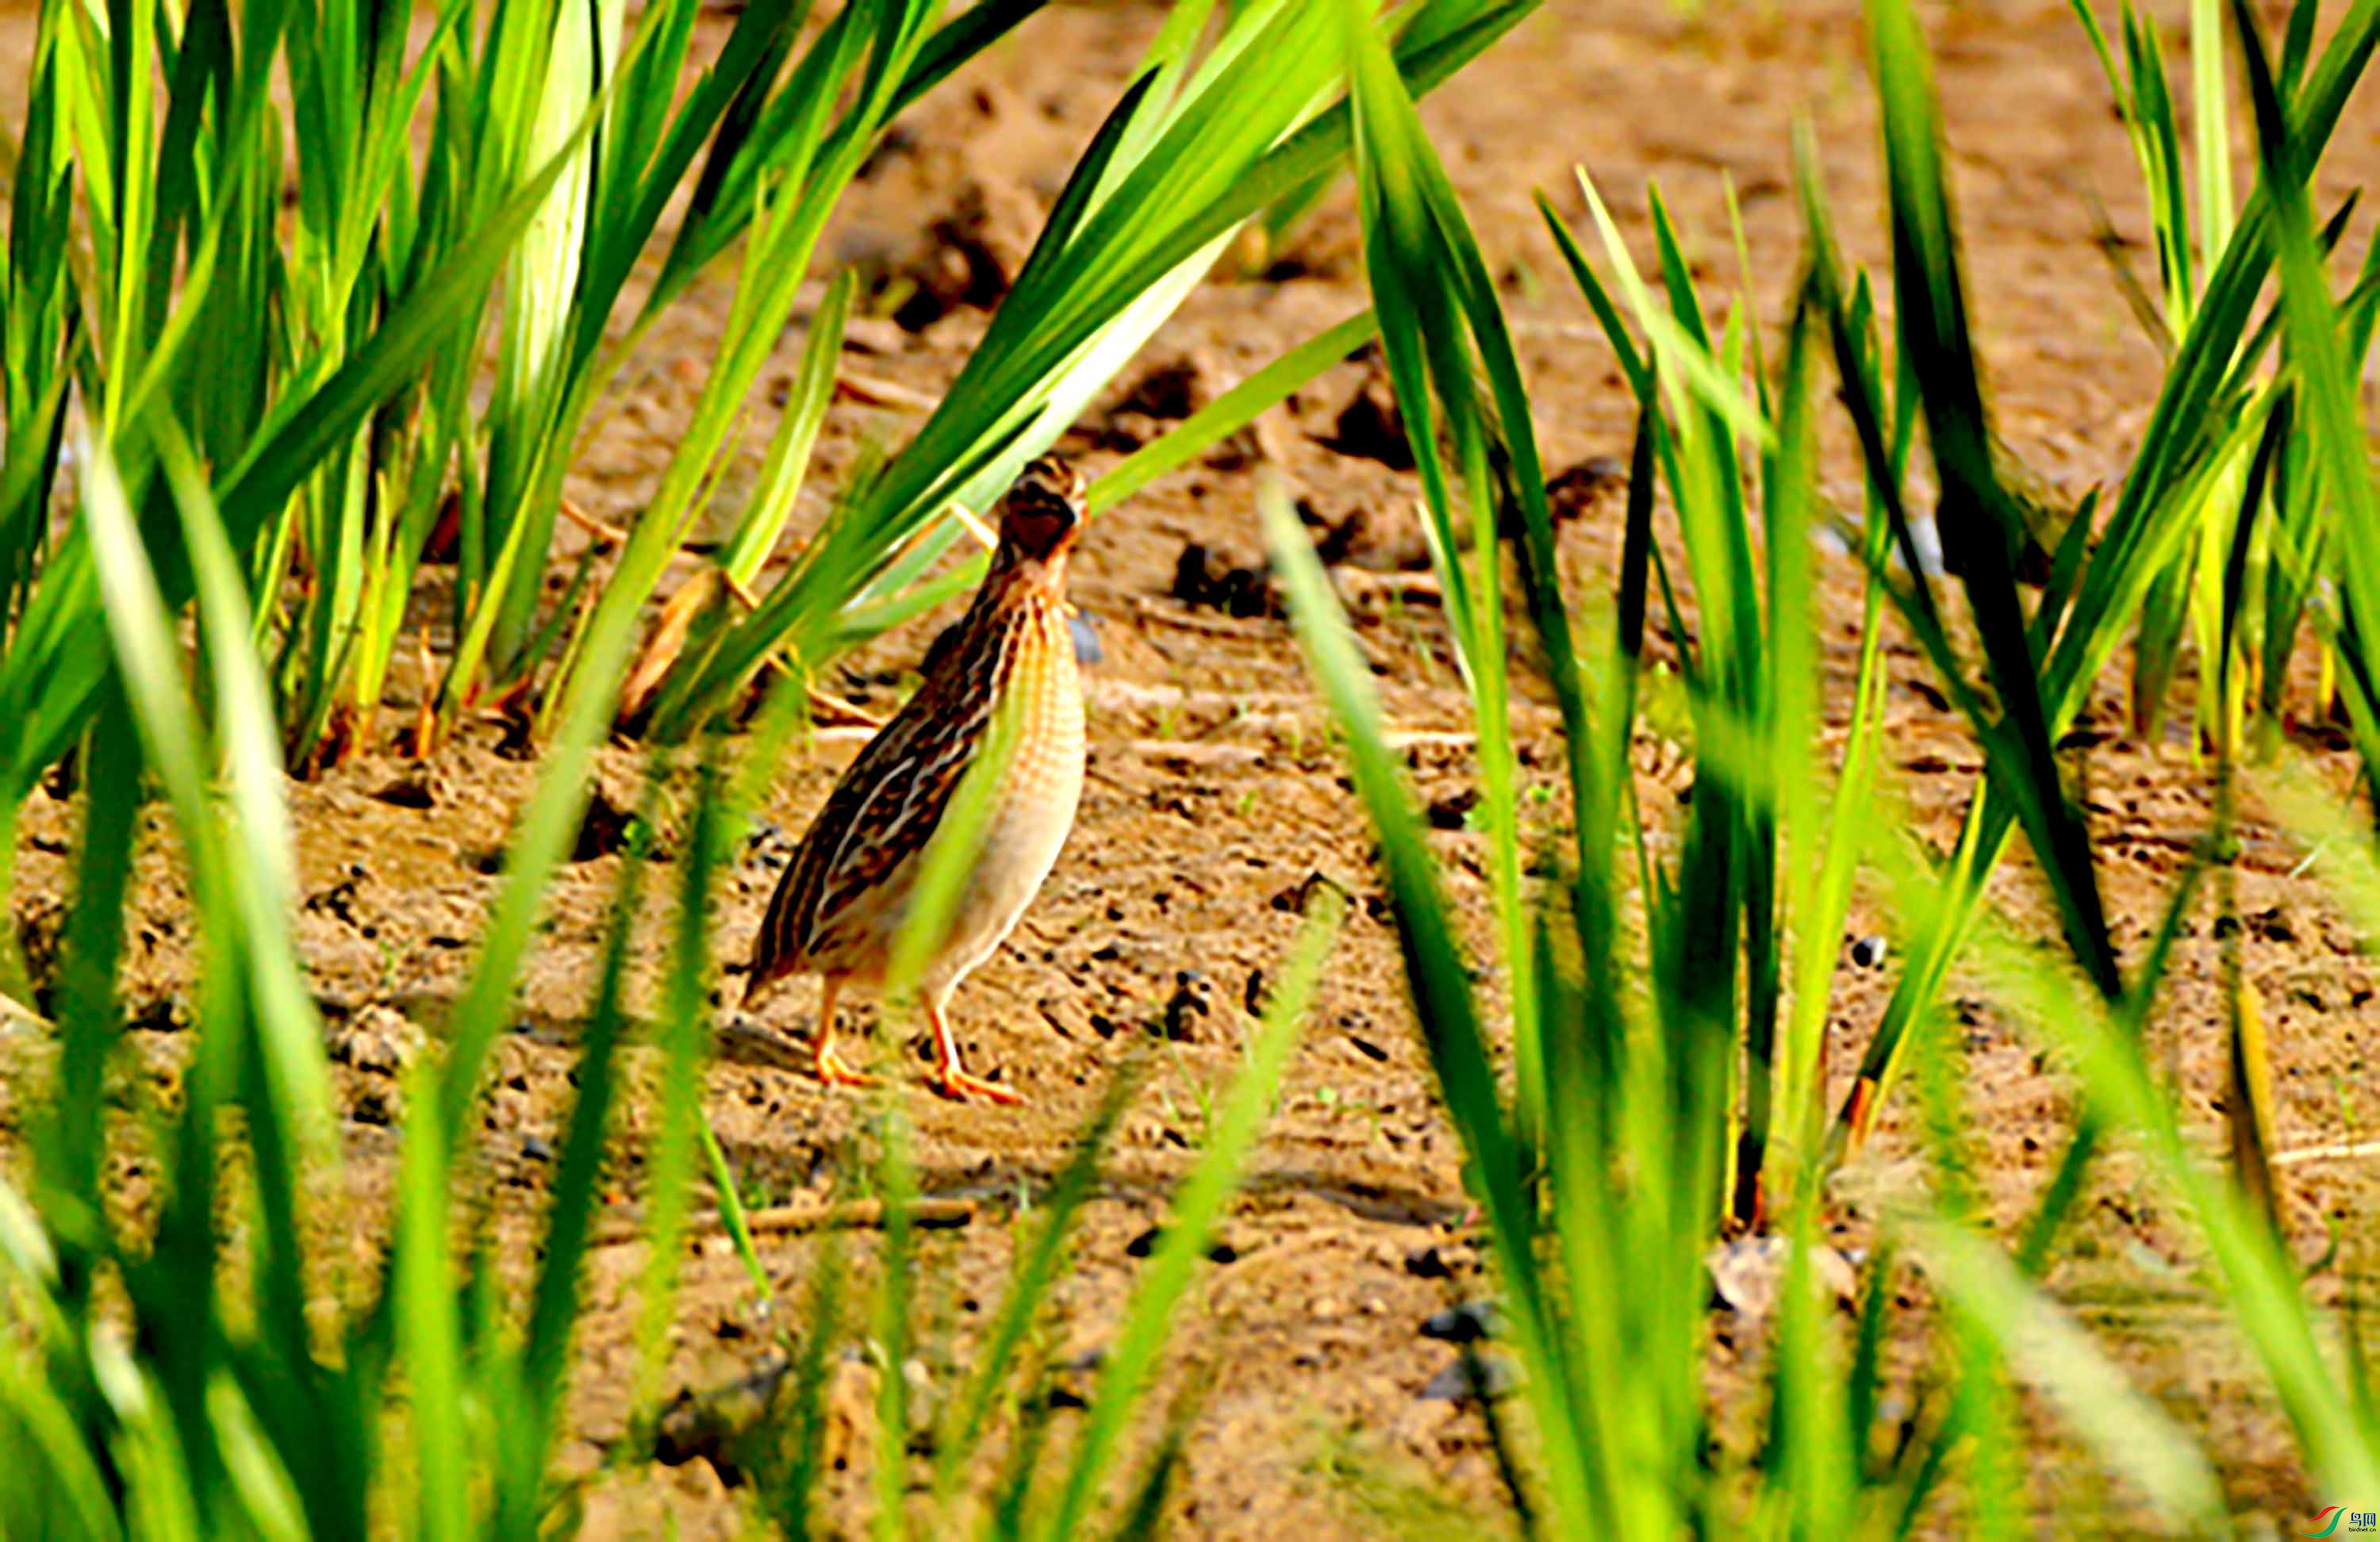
point(1466, 1322)
point(1471, 1377)
point(1453, 811)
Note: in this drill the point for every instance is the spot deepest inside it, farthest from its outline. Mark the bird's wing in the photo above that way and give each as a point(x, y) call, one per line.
point(882, 813)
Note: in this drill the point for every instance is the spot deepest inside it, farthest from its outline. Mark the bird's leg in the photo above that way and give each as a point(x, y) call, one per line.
point(952, 1079)
point(828, 1065)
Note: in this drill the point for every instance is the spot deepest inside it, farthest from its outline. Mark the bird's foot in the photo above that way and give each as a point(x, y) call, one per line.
point(958, 1085)
point(828, 1068)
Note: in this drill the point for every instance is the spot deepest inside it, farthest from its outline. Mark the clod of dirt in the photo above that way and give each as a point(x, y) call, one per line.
point(607, 829)
point(1348, 539)
point(972, 253)
point(160, 1012)
point(1745, 1274)
point(712, 1424)
point(415, 788)
point(1370, 427)
point(1167, 392)
point(926, 1398)
point(339, 899)
point(874, 334)
point(1205, 584)
point(377, 1041)
point(1141, 1247)
point(1452, 811)
point(41, 931)
point(1579, 491)
point(1172, 388)
point(1471, 1377)
point(1441, 1262)
point(1191, 998)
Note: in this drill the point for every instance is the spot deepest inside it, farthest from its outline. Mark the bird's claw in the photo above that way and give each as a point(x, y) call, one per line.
point(828, 1068)
point(959, 1086)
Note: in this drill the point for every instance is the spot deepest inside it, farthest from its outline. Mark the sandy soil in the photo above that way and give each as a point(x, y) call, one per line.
point(1213, 797)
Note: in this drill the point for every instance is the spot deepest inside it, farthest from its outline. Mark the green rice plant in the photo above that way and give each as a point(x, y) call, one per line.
point(195, 182)
point(1750, 663)
point(1421, 278)
point(774, 174)
point(2283, 556)
point(337, 423)
point(216, 1370)
point(1201, 142)
point(546, 143)
point(2205, 414)
point(1600, 1210)
point(1598, 1220)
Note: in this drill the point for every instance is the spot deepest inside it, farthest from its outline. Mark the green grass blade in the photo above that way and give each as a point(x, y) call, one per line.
point(1436, 976)
point(429, 1334)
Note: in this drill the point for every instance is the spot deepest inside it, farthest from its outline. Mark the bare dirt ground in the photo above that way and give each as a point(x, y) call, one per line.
point(1213, 795)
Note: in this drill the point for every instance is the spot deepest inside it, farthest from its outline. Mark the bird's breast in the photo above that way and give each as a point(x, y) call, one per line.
point(1029, 820)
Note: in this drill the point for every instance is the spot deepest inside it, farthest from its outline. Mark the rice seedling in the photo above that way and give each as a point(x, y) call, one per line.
point(489, 212)
point(1202, 142)
point(1599, 1218)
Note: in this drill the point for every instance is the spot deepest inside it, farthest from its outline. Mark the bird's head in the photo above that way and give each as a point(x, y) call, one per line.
point(1040, 516)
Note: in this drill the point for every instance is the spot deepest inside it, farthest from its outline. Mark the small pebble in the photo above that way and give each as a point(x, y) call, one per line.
point(1467, 1377)
point(1427, 1263)
point(1465, 1323)
point(1088, 648)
